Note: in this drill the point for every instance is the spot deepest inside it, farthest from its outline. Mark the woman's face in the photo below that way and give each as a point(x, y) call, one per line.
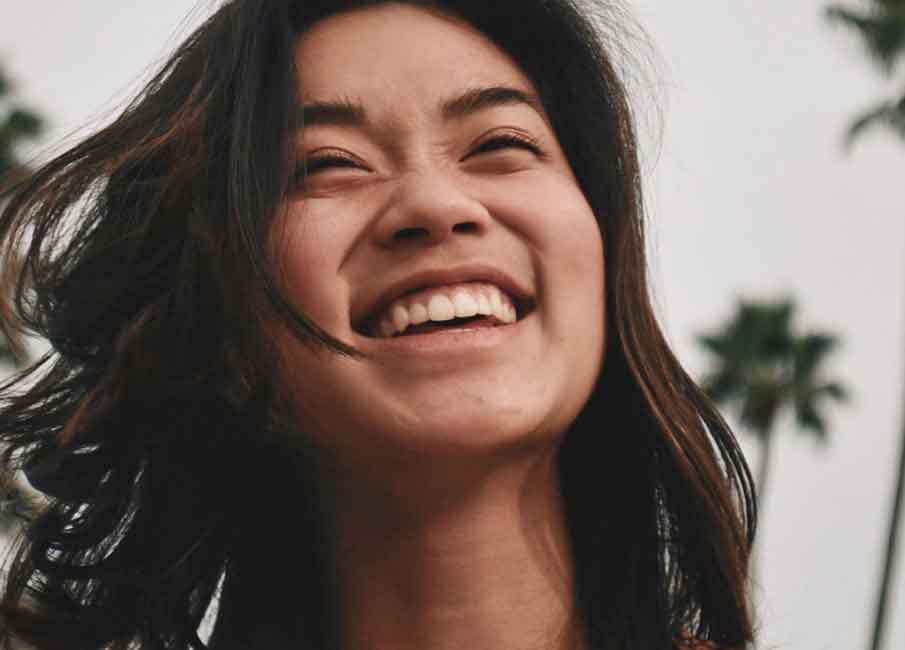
point(436, 186)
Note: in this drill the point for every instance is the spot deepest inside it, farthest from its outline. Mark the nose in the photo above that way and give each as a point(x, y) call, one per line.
point(426, 208)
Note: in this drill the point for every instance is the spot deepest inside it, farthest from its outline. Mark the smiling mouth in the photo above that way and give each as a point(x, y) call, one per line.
point(467, 305)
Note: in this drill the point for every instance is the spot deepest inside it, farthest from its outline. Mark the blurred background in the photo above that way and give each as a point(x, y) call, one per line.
point(777, 239)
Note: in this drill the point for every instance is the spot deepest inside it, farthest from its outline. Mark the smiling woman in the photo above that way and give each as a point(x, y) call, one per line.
point(352, 349)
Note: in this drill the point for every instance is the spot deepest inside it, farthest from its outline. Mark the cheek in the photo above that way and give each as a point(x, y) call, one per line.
point(560, 224)
point(571, 259)
point(307, 254)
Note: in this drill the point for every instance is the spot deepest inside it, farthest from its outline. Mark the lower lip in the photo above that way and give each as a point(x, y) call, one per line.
point(450, 341)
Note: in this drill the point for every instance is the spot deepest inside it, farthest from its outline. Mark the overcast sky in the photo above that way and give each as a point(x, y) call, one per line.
point(750, 194)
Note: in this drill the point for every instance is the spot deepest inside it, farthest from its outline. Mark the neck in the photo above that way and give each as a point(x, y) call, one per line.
point(472, 557)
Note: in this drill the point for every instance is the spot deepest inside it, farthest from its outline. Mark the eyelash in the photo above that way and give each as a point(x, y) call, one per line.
point(327, 161)
point(506, 140)
point(318, 163)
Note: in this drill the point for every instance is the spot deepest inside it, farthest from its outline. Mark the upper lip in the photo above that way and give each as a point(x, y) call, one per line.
point(373, 303)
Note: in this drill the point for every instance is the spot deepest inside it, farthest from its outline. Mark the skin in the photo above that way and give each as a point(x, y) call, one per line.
point(436, 470)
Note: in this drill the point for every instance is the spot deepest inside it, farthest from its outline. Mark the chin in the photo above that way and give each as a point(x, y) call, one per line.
point(479, 410)
point(470, 424)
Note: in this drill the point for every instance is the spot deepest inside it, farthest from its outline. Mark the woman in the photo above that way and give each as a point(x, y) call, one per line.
point(351, 328)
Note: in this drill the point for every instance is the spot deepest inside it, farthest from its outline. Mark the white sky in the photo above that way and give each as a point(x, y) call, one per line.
point(750, 194)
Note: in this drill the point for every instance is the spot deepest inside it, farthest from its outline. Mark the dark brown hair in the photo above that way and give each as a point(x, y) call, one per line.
point(140, 255)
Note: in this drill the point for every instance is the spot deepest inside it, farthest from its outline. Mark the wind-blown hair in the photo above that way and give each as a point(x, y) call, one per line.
point(155, 424)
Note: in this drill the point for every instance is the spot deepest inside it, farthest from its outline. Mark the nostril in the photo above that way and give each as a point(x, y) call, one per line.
point(410, 233)
point(466, 227)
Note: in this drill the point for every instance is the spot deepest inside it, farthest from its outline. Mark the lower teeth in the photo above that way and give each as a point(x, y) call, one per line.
point(457, 323)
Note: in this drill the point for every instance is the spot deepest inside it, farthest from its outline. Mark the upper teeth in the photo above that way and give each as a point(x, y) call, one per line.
point(444, 304)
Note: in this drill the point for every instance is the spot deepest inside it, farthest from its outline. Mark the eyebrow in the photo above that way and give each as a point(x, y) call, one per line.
point(347, 112)
point(478, 99)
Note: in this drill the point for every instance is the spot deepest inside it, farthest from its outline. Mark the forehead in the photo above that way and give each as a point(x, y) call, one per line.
point(399, 52)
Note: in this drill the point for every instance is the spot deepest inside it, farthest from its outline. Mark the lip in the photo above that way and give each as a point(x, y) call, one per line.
point(373, 304)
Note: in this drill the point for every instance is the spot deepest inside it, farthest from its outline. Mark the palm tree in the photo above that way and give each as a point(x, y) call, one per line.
point(762, 368)
point(882, 31)
point(19, 124)
point(17, 501)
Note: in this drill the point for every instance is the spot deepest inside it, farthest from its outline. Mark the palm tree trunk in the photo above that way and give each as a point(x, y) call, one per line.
point(890, 555)
point(763, 468)
point(763, 476)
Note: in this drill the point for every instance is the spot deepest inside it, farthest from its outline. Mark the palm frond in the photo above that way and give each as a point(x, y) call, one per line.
point(714, 343)
point(809, 418)
point(723, 386)
point(889, 114)
point(882, 31)
point(810, 351)
point(778, 342)
point(808, 397)
point(24, 123)
point(17, 124)
point(834, 390)
point(764, 329)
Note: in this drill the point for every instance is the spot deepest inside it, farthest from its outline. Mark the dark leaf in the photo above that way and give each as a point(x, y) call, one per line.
point(809, 352)
point(23, 123)
point(808, 418)
point(723, 386)
point(890, 115)
point(882, 32)
point(834, 390)
point(716, 344)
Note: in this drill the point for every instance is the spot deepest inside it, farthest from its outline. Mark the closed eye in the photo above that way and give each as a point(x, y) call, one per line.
point(506, 141)
point(320, 166)
point(327, 161)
